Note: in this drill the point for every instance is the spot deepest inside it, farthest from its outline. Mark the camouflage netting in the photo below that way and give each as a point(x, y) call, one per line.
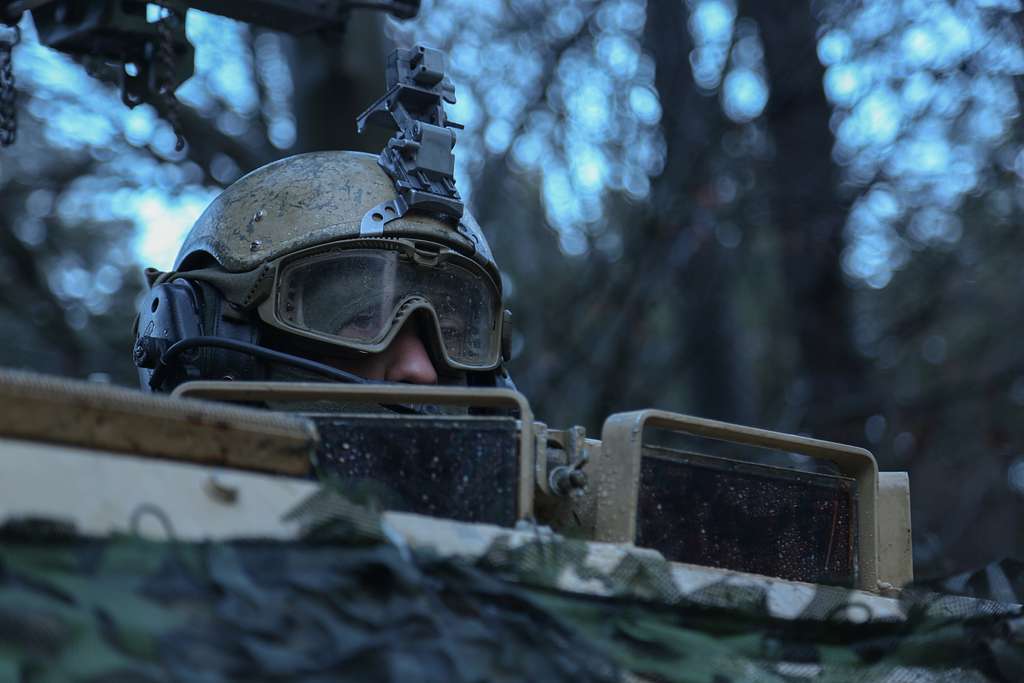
point(1002, 580)
point(345, 603)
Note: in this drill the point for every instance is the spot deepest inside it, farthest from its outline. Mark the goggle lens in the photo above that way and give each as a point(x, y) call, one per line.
point(355, 297)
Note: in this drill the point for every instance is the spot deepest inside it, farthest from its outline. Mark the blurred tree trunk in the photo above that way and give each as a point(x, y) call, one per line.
point(27, 295)
point(660, 331)
point(698, 277)
point(335, 83)
point(811, 217)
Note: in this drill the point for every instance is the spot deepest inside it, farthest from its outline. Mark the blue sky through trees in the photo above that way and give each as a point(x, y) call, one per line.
point(923, 96)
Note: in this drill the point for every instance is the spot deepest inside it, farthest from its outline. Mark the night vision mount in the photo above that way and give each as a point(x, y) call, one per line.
point(419, 156)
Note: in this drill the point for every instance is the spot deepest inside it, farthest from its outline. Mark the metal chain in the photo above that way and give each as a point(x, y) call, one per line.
point(8, 106)
point(165, 74)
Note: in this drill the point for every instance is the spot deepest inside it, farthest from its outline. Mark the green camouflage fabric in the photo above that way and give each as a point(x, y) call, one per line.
point(350, 600)
point(1002, 580)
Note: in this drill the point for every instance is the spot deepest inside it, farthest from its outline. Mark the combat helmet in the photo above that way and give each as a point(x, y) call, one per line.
point(334, 250)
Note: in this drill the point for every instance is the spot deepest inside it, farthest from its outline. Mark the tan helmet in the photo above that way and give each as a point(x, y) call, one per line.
point(320, 247)
point(335, 249)
point(310, 199)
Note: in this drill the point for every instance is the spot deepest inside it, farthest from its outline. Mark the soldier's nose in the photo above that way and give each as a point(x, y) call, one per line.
point(408, 360)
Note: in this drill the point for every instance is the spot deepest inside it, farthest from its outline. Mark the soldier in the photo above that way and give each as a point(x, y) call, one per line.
point(338, 265)
point(307, 257)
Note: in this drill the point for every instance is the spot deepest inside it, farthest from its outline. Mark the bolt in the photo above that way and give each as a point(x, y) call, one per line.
point(563, 480)
point(146, 352)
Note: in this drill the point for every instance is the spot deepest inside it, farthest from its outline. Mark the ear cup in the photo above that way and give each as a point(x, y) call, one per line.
point(167, 314)
point(183, 309)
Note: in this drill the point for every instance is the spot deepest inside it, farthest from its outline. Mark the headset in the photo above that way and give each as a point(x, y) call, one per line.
point(183, 311)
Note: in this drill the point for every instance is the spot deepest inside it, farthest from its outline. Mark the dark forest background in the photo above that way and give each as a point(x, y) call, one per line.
point(799, 216)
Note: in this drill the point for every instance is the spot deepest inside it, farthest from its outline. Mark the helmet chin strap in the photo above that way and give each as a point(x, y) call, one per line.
point(166, 357)
point(171, 354)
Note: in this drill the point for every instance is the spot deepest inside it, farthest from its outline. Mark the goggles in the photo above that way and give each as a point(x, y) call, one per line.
point(358, 294)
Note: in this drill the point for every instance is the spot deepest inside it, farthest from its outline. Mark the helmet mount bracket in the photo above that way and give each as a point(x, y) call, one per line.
point(374, 220)
point(419, 157)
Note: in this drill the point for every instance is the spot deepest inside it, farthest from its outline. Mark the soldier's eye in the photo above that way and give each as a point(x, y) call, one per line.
point(452, 327)
point(361, 321)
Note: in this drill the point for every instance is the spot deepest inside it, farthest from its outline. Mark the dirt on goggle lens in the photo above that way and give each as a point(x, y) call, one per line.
point(355, 298)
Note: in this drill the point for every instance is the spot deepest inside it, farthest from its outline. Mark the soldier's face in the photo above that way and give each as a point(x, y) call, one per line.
point(404, 360)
